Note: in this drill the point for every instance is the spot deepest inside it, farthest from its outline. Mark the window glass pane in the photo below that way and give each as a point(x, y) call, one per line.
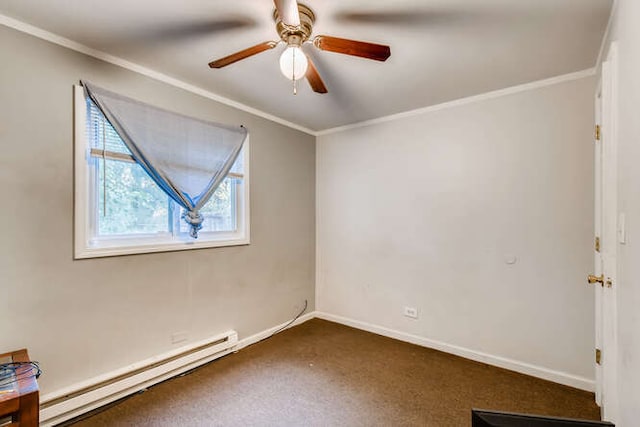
point(220, 211)
point(238, 166)
point(134, 203)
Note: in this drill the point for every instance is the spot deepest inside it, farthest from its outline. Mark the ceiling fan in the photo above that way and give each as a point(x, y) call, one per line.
point(294, 24)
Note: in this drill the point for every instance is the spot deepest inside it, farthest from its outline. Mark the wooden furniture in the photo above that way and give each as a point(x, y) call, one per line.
point(20, 401)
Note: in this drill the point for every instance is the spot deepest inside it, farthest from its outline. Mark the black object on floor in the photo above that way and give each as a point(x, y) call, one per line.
point(480, 418)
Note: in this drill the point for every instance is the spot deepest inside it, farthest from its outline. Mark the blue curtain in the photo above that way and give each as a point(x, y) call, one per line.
point(188, 158)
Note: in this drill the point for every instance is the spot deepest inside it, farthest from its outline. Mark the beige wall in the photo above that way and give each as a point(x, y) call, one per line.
point(84, 318)
point(427, 211)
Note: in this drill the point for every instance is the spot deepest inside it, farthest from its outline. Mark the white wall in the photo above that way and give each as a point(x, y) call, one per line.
point(424, 211)
point(87, 317)
point(626, 30)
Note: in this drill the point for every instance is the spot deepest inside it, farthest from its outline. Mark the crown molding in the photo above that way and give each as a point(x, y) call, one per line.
point(465, 101)
point(607, 33)
point(78, 47)
point(132, 66)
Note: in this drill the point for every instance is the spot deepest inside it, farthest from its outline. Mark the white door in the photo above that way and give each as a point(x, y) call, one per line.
point(606, 230)
point(597, 270)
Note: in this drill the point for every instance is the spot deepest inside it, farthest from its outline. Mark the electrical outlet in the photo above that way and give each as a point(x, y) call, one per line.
point(179, 337)
point(411, 312)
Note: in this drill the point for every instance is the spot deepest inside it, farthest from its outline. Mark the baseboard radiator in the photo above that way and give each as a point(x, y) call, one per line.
point(83, 397)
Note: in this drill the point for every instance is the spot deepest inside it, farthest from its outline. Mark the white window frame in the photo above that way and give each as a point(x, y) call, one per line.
point(86, 247)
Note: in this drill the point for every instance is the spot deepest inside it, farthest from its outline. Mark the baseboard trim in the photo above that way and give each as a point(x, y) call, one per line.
point(245, 342)
point(54, 413)
point(498, 361)
point(83, 397)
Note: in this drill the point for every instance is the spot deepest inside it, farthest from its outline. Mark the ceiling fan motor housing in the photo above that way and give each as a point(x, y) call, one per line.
point(299, 34)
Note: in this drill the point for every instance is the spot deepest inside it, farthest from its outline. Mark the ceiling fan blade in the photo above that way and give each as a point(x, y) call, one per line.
point(367, 50)
point(449, 17)
point(235, 57)
point(288, 12)
point(313, 77)
point(188, 30)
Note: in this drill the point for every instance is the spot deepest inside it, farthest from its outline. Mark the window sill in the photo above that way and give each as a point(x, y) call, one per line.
point(114, 247)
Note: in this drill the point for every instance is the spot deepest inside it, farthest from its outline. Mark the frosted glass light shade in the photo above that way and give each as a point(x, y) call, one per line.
point(293, 63)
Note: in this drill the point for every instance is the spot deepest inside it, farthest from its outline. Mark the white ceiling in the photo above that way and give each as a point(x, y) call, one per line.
point(441, 50)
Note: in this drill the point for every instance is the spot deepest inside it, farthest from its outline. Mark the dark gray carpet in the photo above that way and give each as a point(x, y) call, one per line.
point(324, 374)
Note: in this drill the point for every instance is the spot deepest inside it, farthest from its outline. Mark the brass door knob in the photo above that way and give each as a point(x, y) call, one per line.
point(596, 279)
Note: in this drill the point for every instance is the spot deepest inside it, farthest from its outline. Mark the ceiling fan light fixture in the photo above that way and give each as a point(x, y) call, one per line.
point(293, 63)
point(294, 30)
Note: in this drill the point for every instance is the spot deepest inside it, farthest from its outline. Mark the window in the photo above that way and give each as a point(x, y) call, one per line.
point(120, 210)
